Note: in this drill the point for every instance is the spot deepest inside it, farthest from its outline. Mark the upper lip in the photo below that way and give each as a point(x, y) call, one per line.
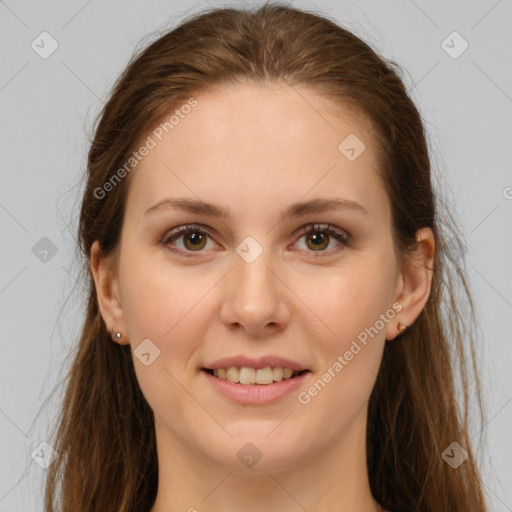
point(259, 362)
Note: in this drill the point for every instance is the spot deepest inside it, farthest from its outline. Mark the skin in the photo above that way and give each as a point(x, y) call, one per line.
point(256, 150)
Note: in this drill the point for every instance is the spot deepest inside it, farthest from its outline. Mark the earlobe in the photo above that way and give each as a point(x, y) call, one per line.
point(416, 282)
point(107, 293)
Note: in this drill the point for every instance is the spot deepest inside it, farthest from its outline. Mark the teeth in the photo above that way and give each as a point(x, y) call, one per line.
point(264, 375)
point(287, 373)
point(277, 373)
point(233, 374)
point(247, 375)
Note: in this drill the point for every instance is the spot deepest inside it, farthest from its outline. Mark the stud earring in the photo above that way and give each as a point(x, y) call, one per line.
point(401, 327)
point(117, 335)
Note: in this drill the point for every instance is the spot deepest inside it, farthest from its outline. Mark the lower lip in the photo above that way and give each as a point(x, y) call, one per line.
point(255, 394)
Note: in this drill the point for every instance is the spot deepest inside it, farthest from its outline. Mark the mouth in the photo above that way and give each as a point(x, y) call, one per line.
point(254, 376)
point(247, 385)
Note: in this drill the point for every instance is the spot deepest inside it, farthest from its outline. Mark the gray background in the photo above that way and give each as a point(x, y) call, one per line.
point(47, 109)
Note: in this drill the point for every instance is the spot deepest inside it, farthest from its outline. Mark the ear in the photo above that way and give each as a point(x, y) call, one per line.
point(107, 292)
point(415, 280)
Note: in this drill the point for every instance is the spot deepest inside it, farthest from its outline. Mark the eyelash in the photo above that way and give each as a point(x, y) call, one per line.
point(328, 229)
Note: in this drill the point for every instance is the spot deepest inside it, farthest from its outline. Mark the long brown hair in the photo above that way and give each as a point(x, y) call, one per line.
point(421, 400)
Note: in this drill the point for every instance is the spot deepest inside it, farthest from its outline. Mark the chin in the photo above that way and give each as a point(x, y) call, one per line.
point(253, 451)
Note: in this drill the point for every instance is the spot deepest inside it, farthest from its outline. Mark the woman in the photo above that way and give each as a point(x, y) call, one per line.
point(265, 325)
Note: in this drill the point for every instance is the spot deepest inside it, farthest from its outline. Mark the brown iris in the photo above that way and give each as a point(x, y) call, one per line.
point(197, 240)
point(321, 240)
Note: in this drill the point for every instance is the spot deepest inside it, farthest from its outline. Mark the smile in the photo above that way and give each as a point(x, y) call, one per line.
point(261, 376)
point(244, 388)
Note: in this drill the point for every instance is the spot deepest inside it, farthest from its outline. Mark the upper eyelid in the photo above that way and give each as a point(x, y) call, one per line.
point(321, 226)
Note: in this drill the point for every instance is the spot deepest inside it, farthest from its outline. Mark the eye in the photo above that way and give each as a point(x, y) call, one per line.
point(194, 238)
point(318, 237)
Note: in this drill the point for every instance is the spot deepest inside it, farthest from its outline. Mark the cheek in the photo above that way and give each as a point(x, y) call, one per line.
point(157, 297)
point(352, 303)
point(159, 304)
point(350, 300)
point(167, 305)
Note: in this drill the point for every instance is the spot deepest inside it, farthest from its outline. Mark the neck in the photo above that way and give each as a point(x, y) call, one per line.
point(334, 477)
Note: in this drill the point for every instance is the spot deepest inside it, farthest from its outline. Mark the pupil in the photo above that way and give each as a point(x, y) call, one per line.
point(195, 239)
point(318, 240)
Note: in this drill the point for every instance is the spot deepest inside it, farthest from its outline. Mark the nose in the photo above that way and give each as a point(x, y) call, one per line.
point(255, 298)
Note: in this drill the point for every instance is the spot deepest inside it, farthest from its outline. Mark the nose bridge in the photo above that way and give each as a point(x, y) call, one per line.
point(256, 296)
point(252, 275)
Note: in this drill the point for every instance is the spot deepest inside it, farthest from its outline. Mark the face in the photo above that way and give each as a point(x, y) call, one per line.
point(314, 290)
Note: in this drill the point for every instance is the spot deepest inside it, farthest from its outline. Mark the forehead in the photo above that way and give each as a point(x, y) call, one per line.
point(260, 146)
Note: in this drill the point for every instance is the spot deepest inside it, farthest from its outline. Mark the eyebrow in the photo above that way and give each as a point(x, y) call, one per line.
point(295, 210)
